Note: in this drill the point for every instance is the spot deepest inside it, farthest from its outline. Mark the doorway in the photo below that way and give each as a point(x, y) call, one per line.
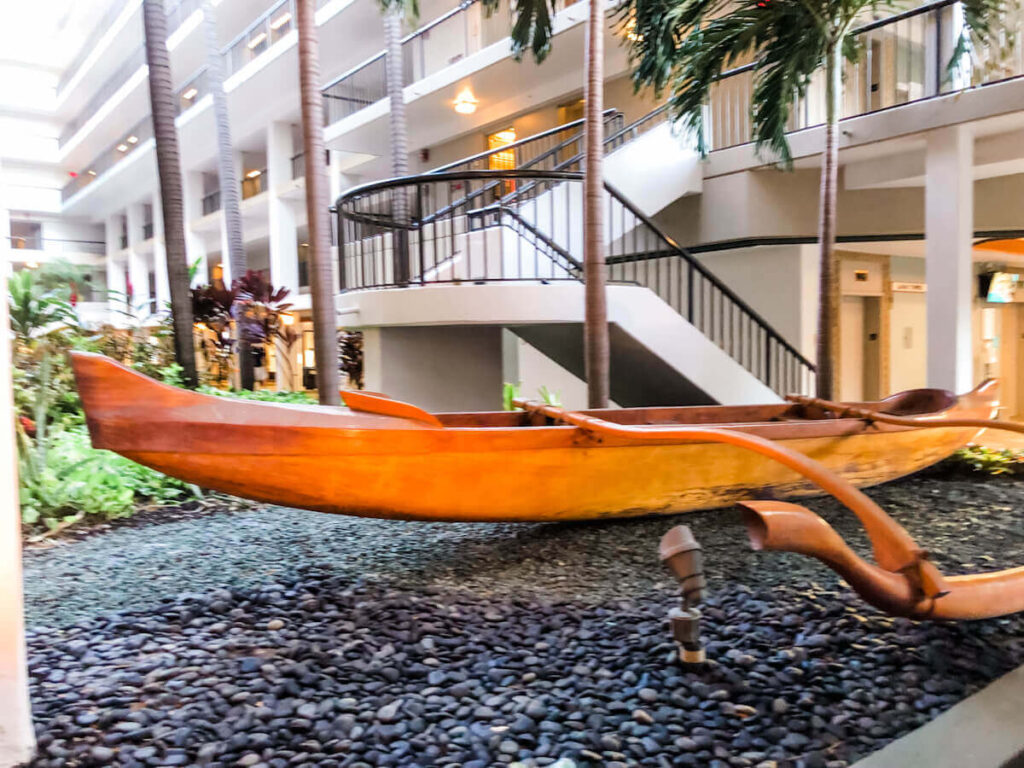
point(860, 348)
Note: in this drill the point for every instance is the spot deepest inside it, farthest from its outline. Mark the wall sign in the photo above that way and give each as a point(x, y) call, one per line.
point(909, 287)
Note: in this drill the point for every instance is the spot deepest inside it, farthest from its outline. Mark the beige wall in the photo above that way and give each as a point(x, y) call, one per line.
point(772, 203)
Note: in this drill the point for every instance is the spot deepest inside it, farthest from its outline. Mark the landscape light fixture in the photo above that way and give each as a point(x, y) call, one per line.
point(256, 40)
point(682, 554)
point(189, 94)
point(465, 103)
point(281, 20)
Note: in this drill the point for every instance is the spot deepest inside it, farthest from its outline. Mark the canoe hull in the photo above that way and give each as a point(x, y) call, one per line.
point(372, 465)
point(554, 484)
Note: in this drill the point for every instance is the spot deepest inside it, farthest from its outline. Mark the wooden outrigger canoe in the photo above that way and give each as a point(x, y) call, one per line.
point(384, 458)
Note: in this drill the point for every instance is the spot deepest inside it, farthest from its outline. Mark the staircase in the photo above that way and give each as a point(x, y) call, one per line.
point(469, 223)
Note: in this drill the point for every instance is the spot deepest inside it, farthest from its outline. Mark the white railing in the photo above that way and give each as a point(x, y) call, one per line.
point(904, 58)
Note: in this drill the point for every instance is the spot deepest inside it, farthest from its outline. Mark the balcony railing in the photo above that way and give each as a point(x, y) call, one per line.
point(462, 31)
point(266, 30)
point(110, 157)
point(56, 245)
point(904, 59)
point(192, 91)
point(147, 231)
point(211, 202)
point(176, 14)
point(254, 185)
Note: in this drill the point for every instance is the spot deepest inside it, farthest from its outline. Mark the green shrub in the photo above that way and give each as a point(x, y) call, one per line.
point(989, 461)
point(262, 395)
point(71, 481)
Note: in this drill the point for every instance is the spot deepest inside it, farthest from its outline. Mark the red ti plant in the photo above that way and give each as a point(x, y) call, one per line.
point(260, 310)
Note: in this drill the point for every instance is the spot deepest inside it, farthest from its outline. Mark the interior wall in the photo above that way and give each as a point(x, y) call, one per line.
point(779, 282)
point(439, 368)
point(908, 352)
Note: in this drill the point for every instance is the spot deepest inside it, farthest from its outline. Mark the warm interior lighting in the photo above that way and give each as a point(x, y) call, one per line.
point(189, 94)
point(32, 264)
point(287, 318)
point(91, 172)
point(122, 147)
point(133, 139)
point(253, 174)
point(281, 20)
point(465, 103)
point(629, 31)
point(256, 40)
point(309, 360)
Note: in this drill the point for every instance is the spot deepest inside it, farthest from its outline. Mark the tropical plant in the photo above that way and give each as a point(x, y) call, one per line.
point(230, 194)
point(683, 46)
point(321, 278)
point(261, 312)
point(350, 357)
point(163, 108)
point(211, 310)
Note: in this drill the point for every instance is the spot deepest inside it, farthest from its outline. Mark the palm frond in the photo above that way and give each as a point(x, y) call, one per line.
point(531, 27)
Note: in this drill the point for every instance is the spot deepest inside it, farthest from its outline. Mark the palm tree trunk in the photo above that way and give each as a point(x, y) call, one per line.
point(828, 298)
point(168, 163)
point(230, 194)
point(321, 277)
point(399, 140)
point(595, 323)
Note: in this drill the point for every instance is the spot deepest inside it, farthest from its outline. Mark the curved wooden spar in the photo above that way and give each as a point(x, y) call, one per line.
point(384, 458)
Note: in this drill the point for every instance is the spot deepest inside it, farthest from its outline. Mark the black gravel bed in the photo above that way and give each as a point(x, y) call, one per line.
point(324, 671)
point(968, 523)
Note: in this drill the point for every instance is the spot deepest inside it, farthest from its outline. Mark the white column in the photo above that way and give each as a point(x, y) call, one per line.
point(163, 288)
point(17, 740)
point(116, 285)
point(138, 263)
point(282, 229)
point(949, 232)
point(196, 248)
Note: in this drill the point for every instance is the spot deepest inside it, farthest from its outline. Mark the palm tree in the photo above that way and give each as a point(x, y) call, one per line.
point(394, 12)
point(230, 196)
point(531, 30)
point(325, 333)
point(168, 162)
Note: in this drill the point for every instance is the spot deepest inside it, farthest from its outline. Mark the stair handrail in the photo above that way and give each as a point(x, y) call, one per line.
point(673, 248)
point(705, 273)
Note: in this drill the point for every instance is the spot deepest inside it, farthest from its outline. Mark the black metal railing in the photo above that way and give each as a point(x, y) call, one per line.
point(211, 202)
point(56, 245)
point(447, 227)
point(147, 231)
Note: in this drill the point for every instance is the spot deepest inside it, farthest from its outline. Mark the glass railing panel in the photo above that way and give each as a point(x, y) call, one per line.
point(211, 202)
point(192, 91)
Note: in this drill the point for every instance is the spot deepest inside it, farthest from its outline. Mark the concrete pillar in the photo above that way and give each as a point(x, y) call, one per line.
point(116, 286)
point(282, 230)
point(138, 263)
point(949, 223)
point(196, 247)
point(17, 740)
point(163, 289)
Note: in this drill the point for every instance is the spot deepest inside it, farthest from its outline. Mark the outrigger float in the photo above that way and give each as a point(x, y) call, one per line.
point(385, 458)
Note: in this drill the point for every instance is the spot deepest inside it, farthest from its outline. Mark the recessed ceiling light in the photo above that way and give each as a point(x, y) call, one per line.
point(257, 40)
point(189, 94)
point(465, 103)
point(91, 172)
point(253, 174)
point(133, 139)
point(122, 147)
point(281, 20)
